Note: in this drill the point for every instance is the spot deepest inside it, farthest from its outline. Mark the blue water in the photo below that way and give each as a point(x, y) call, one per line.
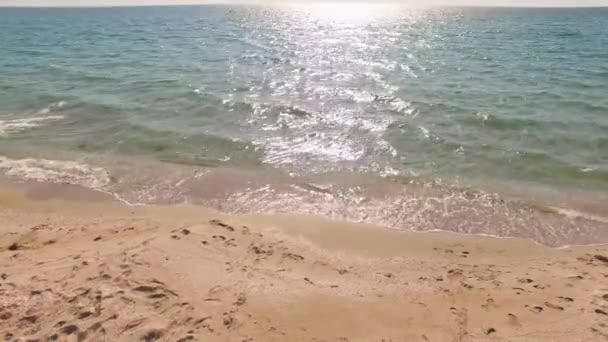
point(145, 101)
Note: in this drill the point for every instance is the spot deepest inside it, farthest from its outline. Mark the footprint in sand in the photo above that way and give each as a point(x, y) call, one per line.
point(134, 324)
point(69, 329)
point(219, 237)
point(228, 320)
point(240, 299)
point(152, 335)
point(537, 309)
point(261, 250)
point(513, 320)
point(489, 304)
point(221, 224)
point(456, 272)
point(553, 306)
point(577, 277)
point(518, 290)
point(601, 258)
point(293, 256)
point(490, 331)
point(29, 319)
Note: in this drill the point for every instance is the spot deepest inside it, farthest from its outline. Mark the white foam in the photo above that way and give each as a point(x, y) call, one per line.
point(360, 96)
point(425, 132)
point(283, 151)
point(17, 125)
point(575, 214)
point(55, 171)
point(483, 116)
point(403, 106)
point(41, 118)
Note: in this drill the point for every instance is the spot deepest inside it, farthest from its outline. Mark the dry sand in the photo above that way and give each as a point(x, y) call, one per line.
point(96, 270)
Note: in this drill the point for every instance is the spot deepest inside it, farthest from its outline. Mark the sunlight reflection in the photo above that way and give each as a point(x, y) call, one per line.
point(345, 12)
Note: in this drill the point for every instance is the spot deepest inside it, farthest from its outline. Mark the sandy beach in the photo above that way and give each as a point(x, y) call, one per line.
point(303, 170)
point(98, 270)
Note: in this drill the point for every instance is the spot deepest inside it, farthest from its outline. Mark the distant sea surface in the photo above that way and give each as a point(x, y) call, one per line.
point(472, 120)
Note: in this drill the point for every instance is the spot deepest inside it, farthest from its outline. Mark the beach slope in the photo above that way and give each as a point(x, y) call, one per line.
point(101, 271)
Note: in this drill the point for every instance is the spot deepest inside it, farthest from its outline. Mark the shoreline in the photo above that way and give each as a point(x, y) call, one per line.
point(413, 205)
point(124, 273)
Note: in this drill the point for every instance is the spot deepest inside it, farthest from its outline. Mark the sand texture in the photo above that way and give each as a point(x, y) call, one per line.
point(101, 271)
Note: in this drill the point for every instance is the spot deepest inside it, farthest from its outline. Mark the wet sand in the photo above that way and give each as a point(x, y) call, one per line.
point(78, 266)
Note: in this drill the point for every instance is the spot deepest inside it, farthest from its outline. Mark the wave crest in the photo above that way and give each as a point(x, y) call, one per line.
point(55, 171)
point(18, 125)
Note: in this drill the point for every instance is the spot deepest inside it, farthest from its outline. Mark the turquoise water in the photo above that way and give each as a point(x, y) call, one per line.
point(149, 103)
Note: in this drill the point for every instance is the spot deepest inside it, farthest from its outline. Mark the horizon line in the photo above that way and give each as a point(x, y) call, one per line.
point(254, 3)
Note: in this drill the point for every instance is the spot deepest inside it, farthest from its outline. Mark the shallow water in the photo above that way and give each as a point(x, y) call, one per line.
point(413, 118)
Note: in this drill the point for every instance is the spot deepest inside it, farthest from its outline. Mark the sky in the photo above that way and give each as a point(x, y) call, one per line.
point(514, 3)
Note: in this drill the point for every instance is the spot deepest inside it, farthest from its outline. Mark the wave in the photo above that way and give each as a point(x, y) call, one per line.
point(584, 107)
point(41, 117)
point(17, 125)
point(544, 165)
point(502, 123)
point(290, 110)
point(401, 202)
point(55, 171)
point(491, 121)
point(568, 34)
point(168, 145)
point(53, 107)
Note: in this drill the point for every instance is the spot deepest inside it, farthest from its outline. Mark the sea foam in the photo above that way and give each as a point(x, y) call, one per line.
point(55, 171)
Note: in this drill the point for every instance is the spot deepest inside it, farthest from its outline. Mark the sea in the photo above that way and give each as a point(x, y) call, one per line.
point(488, 121)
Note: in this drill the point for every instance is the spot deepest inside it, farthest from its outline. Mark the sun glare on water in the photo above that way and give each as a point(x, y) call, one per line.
point(345, 12)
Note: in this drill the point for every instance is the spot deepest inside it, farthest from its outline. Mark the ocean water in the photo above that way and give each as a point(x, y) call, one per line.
point(473, 120)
